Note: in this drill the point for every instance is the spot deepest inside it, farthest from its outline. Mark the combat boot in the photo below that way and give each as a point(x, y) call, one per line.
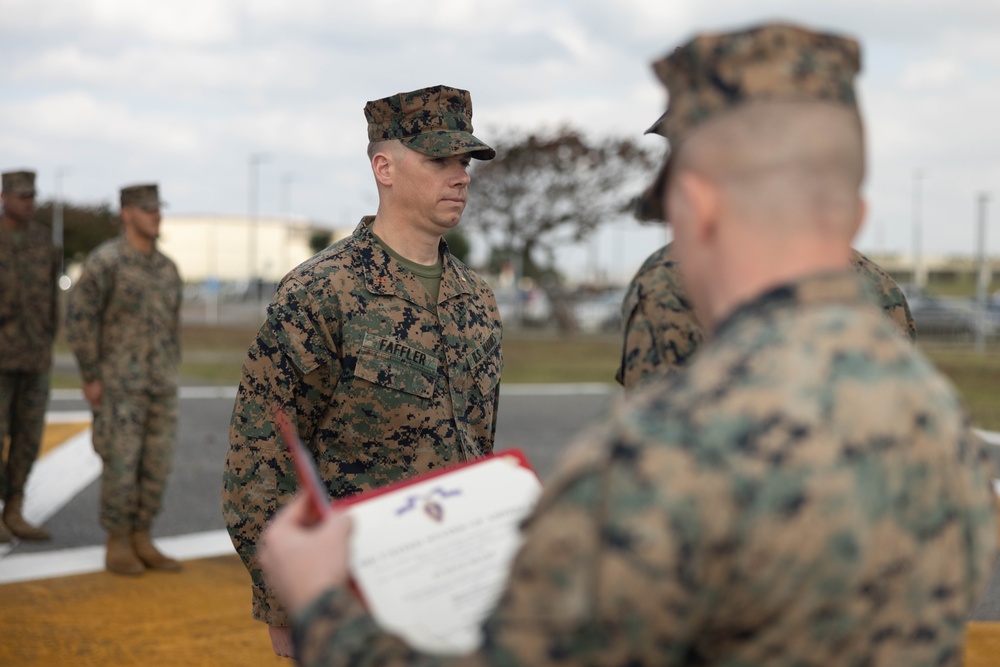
point(120, 557)
point(6, 537)
point(150, 555)
point(16, 523)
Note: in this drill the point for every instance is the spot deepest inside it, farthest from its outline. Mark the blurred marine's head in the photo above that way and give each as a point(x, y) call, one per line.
point(774, 92)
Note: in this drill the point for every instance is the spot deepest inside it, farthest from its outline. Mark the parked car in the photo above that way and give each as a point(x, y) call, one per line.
point(939, 316)
point(526, 307)
point(601, 313)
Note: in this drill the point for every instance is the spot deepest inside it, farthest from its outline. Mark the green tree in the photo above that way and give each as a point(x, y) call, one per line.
point(548, 189)
point(458, 245)
point(85, 226)
point(319, 240)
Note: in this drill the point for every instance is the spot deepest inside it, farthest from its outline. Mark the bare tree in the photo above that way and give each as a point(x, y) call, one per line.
point(546, 190)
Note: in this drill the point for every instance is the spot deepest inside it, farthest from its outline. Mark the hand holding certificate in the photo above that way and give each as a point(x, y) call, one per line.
point(429, 557)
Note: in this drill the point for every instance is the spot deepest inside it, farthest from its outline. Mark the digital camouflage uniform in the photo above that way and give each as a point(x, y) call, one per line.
point(29, 274)
point(806, 492)
point(382, 382)
point(661, 332)
point(123, 324)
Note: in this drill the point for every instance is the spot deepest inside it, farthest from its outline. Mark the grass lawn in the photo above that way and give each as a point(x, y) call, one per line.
point(214, 356)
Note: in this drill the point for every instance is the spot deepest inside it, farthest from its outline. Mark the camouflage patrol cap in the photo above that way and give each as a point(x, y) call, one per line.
point(435, 121)
point(714, 73)
point(144, 195)
point(19, 183)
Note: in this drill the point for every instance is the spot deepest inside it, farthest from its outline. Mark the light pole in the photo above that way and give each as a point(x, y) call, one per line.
point(983, 275)
point(252, 196)
point(287, 178)
point(918, 269)
point(58, 232)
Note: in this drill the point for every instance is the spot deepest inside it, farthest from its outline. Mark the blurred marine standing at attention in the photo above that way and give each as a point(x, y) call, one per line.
point(29, 314)
point(661, 331)
point(123, 323)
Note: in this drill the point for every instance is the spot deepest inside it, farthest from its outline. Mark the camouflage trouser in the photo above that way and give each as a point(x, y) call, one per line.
point(23, 399)
point(134, 436)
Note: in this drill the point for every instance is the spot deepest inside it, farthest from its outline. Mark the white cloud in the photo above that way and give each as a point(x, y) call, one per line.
point(184, 91)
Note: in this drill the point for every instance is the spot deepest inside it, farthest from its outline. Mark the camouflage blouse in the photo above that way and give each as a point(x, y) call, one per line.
point(381, 382)
point(29, 269)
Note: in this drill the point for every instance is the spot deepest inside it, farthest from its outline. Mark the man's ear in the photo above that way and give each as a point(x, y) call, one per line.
point(383, 166)
point(703, 198)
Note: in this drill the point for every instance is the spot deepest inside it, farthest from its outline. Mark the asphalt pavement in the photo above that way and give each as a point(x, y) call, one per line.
point(540, 420)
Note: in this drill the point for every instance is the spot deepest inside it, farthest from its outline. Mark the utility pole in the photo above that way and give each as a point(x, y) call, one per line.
point(252, 197)
point(918, 234)
point(58, 232)
point(287, 178)
point(984, 273)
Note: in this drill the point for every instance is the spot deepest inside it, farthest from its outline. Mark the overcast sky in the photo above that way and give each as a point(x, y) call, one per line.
point(183, 91)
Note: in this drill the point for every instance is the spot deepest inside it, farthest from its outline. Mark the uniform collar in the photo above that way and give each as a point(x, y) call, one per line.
point(841, 287)
point(384, 275)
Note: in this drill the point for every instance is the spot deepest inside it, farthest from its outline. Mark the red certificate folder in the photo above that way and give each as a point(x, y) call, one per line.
point(431, 556)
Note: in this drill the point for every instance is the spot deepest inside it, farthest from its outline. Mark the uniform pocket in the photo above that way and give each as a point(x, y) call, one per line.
point(395, 365)
point(485, 364)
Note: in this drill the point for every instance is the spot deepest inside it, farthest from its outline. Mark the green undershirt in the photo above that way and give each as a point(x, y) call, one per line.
point(429, 276)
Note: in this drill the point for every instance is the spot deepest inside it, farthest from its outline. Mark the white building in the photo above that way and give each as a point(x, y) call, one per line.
point(226, 247)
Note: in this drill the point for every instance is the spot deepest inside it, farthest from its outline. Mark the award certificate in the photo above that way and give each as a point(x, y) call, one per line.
point(431, 556)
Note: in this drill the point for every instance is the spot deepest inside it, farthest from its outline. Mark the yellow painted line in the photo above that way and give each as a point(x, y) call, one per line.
point(58, 433)
point(982, 644)
point(197, 617)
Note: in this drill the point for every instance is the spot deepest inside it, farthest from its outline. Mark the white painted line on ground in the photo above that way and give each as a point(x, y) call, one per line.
point(57, 478)
point(566, 389)
point(48, 564)
point(202, 393)
point(69, 417)
point(65, 395)
point(992, 437)
point(185, 393)
point(563, 389)
point(84, 560)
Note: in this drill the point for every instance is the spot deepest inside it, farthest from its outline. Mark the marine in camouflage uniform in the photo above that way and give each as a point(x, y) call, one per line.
point(123, 324)
point(387, 372)
point(805, 492)
point(661, 331)
point(29, 274)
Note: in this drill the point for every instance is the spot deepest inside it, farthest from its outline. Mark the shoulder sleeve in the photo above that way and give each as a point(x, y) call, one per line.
point(84, 313)
point(886, 293)
point(290, 364)
point(661, 332)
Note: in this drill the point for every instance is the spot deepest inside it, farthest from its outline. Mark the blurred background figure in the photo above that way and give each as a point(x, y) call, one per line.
point(123, 324)
point(29, 274)
point(661, 331)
